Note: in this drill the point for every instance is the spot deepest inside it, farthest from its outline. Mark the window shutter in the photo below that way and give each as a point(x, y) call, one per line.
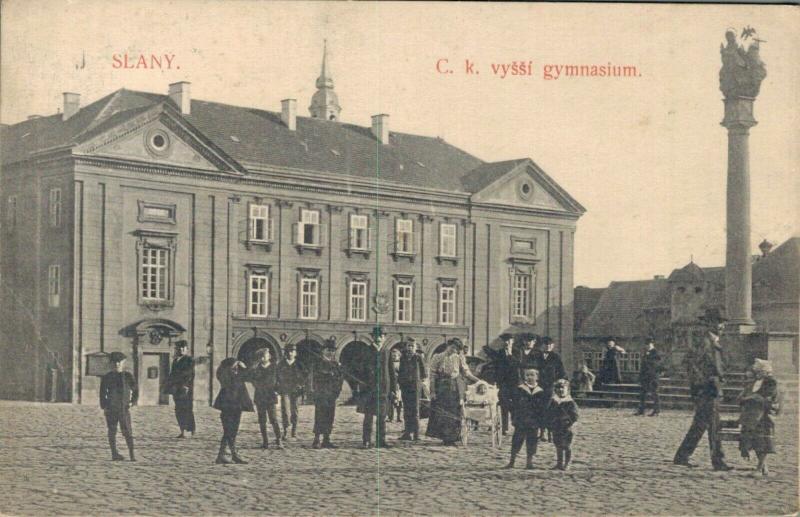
point(297, 233)
point(320, 232)
point(270, 229)
point(369, 238)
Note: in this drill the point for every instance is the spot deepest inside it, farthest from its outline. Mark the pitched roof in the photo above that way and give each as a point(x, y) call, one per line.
point(619, 312)
point(586, 299)
point(487, 173)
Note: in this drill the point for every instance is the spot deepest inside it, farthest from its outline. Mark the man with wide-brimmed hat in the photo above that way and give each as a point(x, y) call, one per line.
point(706, 375)
point(118, 392)
point(180, 384)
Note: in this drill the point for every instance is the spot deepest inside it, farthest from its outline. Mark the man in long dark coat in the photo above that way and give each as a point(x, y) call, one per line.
point(706, 375)
point(649, 374)
point(180, 384)
point(411, 375)
point(507, 370)
point(264, 378)
point(327, 385)
point(118, 392)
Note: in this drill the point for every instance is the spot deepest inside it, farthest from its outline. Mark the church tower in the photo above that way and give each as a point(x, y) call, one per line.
point(325, 103)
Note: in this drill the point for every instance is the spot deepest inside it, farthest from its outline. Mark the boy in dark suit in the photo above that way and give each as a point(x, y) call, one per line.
point(327, 385)
point(551, 369)
point(118, 392)
point(180, 384)
point(264, 378)
point(508, 378)
point(530, 404)
point(562, 413)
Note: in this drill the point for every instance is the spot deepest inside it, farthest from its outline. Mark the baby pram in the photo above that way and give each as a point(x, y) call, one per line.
point(481, 407)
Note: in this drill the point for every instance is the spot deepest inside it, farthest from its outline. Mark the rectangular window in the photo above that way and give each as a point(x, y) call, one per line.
point(308, 230)
point(54, 286)
point(309, 296)
point(447, 305)
point(521, 295)
point(155, 274)
point(358, 301)
point(260, 223)
point(55, 207)
point(359, 232)
point(11, 212)
point(630, 362)
point(258, 295)
point(403, 304)
point(404, 236)
point(447, 240)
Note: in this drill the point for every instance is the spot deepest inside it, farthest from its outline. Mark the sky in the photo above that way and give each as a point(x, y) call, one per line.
point(645, 155)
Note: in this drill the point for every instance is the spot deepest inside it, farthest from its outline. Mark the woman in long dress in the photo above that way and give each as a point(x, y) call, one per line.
point(447, 371)
point(759, 400)
point(610, 373)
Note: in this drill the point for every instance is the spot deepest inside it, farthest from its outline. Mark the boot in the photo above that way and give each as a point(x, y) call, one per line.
point(326, 442)
point(567, 458)
point(315, 444)
point(294, 431)
point(511, 461)
point(415, 437)
point(235, 455)
point(654, 413)
point(129, 442)
point(284, 433)
point(559, 460)
point(221, 459)
point(405, 437)
point(529, 462)
point(115, 455)
point(383, 445)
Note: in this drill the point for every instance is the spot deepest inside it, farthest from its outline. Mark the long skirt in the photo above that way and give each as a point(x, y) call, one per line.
point(446, 411)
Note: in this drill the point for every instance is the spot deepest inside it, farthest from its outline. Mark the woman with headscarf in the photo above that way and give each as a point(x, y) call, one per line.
point(447, 373)
point(232, 399)
point(758, 400)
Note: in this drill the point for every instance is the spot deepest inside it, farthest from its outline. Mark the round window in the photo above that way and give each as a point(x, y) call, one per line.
point(157, 142)
point(525, 189)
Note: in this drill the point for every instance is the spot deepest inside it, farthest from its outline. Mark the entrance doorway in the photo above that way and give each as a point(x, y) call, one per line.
point(155, 369)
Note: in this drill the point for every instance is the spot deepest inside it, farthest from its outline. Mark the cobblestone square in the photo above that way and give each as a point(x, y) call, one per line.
point(54, 459)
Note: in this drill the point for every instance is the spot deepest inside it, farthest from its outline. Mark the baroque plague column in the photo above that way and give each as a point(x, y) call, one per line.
point(739, 79)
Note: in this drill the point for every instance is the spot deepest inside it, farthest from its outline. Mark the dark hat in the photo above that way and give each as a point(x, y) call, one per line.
point(547, 340)
point(506, 335)
point(290, 347)
point(116, 357)
point(329, 345)
point(181, 343)
point(529, 336)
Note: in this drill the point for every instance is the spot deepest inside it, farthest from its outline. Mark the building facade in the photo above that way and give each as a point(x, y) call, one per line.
point(668, 309)
point(141, 219)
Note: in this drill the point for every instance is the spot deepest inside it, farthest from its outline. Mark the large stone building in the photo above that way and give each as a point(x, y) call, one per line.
point(143, 218)
point(667, 309)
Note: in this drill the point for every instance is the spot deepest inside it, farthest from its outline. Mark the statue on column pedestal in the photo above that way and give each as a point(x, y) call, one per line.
point(742, 70)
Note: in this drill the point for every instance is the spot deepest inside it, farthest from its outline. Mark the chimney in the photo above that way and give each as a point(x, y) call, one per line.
point(180, 94)
point(72, 103)
point(289, 113)
point(380, 127)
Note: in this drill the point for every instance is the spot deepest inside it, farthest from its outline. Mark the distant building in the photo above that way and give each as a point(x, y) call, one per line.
point(143, 218)
point(667, 309)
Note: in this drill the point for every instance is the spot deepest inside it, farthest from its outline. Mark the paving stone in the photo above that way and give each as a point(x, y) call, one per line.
point(54, 460)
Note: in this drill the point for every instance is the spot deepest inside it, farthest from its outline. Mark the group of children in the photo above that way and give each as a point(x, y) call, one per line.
point(535, 409)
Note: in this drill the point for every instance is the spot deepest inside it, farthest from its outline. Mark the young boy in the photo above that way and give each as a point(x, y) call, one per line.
point(530, 404)
point(562, 412)
point(118, 392)
point(264, 378)
point(327, 387)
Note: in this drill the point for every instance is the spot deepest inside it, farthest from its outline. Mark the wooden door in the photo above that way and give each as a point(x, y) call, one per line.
point(153, 373)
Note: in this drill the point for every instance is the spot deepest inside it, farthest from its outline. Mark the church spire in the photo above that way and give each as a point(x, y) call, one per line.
point(325, 103)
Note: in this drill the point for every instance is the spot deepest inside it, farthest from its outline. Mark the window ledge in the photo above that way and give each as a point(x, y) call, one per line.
point(399, 255)
point(357, 251)
point(156, 306)
point(441, 259)
point(267, 245)
point(520, 320)
point(314, 248)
